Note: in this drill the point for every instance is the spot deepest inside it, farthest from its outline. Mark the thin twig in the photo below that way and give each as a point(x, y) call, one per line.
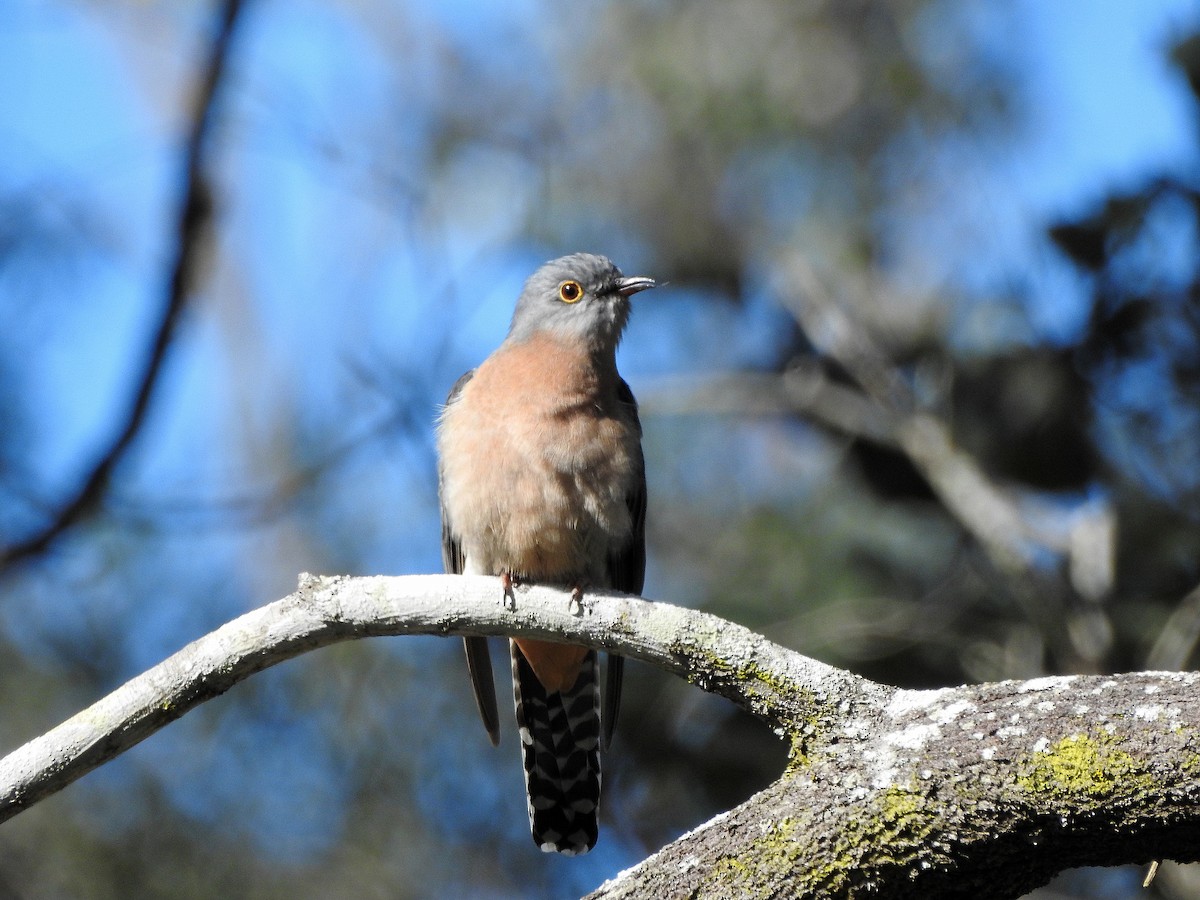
point(1178, 638)
point(194, 217)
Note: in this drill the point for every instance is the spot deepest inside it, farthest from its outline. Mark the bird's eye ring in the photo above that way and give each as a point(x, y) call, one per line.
point(570, 292)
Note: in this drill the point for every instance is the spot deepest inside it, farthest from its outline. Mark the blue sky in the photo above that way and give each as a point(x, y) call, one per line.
point(1109, 106)
point(1104, 108)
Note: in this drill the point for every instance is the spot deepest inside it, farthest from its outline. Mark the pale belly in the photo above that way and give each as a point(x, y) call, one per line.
point(550, 505)
point(536, 482)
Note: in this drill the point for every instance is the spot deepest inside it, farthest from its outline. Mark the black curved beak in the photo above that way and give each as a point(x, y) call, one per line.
point(627, 287)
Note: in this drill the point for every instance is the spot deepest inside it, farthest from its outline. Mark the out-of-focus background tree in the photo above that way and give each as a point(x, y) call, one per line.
point(921, 399)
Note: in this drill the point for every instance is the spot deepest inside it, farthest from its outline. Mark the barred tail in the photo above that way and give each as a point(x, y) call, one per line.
point(560, 747)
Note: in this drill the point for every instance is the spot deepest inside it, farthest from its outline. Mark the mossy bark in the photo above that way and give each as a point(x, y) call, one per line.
point(984, 791)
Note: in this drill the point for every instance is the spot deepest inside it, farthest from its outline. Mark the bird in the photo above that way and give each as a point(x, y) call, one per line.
point(541, 478)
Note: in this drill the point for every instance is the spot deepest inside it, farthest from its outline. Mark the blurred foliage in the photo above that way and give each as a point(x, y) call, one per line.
point(386, 174)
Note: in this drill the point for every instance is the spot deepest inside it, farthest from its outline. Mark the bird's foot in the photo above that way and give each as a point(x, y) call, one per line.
point(508, 581)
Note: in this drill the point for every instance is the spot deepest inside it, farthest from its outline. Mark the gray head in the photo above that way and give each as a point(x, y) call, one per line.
point(581, 296)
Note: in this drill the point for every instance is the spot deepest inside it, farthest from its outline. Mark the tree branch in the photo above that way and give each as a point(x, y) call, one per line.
point(193, 219)
point(983, 508)
point(770, 681)
point(986, 789)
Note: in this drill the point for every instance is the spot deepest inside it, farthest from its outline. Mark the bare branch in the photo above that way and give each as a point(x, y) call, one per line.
point(985, 509)
point(984, 789)
point(1178, 638)
point(718, 655)
point(981, 791)
point(193, 219)
point(802, 389)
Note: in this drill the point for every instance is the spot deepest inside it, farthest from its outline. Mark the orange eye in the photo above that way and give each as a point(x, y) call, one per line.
point(570, 292)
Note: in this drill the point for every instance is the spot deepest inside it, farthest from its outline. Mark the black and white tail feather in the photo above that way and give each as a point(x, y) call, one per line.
point(560, 749)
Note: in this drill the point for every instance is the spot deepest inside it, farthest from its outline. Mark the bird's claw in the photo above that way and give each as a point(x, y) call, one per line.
point(508, 582)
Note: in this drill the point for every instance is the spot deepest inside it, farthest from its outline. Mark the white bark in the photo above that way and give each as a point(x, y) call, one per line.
point(986, 789)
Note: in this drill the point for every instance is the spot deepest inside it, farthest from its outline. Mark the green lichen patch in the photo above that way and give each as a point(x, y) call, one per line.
point(758, 870)
point(889, 829)
point(767, 692)
point(797, 754)
point(1191, 764)
point(1082, 766)
point(902, 816)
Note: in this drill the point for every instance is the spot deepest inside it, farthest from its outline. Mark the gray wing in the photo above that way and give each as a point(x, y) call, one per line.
point(627, 570)
point(479, 660)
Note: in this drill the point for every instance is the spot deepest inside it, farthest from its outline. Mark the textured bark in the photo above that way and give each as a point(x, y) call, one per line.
point(987, 789)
